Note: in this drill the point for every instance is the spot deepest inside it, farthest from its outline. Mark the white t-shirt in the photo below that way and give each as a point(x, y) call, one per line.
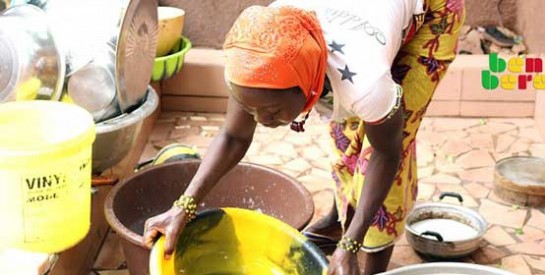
point(363, 38)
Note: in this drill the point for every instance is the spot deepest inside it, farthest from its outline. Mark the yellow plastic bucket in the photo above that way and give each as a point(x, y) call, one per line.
point(45, 175)
point(239, 241)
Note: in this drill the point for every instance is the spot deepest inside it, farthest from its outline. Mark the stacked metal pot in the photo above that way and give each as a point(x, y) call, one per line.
point(97, 54)
point(103, 52)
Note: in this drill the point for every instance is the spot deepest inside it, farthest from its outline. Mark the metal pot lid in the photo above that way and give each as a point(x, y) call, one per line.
point(447, 268)
point(136, 47)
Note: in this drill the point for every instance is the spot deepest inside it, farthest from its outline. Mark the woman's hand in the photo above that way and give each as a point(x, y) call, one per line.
point(170, 223)
point(227, 149)
point(343, 263)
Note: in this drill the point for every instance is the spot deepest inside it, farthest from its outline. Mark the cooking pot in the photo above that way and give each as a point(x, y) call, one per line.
point(447, 268)
point(443, 230)
point(31, 64)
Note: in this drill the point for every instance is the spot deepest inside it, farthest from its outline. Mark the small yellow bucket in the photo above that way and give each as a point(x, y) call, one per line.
point(45, 175)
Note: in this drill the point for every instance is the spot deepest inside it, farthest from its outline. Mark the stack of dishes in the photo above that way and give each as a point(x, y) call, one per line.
point(101, 63)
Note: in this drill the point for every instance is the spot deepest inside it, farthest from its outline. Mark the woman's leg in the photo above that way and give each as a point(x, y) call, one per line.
point(420, 65)
point(377, 262)
point(327, 231)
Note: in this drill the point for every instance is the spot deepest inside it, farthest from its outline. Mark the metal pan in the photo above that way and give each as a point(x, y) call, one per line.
point(447, 268)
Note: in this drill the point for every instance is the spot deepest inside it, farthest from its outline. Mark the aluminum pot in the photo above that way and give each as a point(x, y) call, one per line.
point(447, 268)
point(80, 26)
point(443, 230)
point(93, 86)
point(31, 64)
point(116, 137)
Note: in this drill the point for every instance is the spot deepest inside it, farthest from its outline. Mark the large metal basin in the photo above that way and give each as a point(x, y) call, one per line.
point(116, 137)
point(447, 268)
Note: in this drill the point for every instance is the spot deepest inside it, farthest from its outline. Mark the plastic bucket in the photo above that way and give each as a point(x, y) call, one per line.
point(45, 173)
point(239, 241)
point(152, 190)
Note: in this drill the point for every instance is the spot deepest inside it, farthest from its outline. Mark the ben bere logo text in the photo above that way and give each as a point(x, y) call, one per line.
point(517, 73)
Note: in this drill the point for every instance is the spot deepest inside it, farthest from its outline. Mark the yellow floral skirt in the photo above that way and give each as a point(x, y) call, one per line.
point(429, 48)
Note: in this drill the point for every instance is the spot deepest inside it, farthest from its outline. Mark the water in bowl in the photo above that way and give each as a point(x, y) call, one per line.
point(449, 229)
point(233, 241)
point(222, 263)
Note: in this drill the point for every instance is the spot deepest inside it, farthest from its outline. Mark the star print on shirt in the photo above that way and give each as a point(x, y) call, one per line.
point(346, 74)
point(336, 47)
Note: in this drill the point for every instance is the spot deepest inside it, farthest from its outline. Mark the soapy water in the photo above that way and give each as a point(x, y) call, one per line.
point(256, 267)
point(220, 263)
point(450, 230)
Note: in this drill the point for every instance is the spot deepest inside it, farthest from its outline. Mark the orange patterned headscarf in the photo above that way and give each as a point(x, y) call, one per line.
point(277, 48)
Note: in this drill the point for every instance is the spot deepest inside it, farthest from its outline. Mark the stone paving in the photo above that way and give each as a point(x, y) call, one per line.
point(454, 154)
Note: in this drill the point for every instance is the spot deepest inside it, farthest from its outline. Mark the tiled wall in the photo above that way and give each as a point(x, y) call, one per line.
point(200, 87)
